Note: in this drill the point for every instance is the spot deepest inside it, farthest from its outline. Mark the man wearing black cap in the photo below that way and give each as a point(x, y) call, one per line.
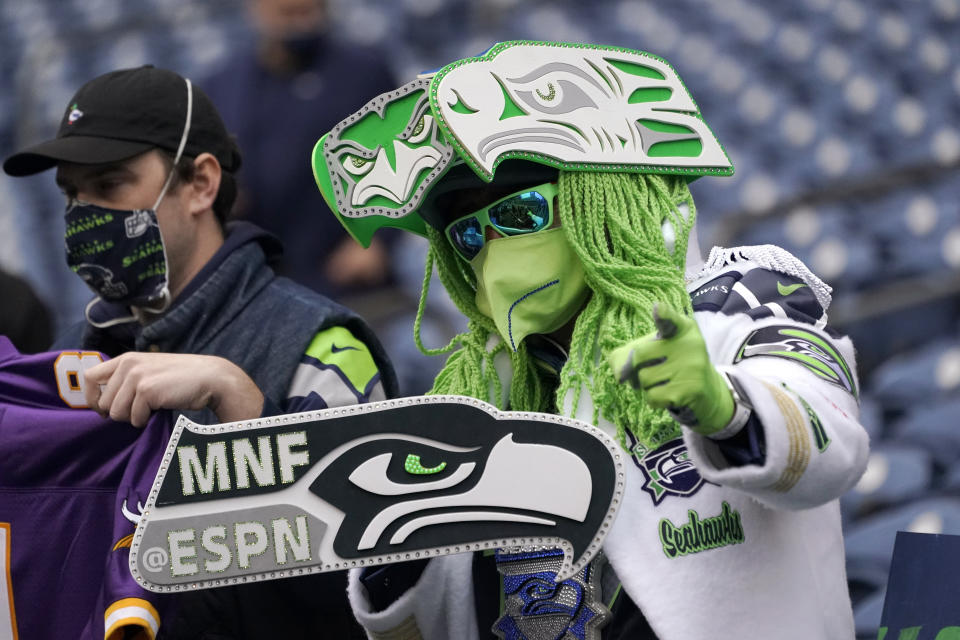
point(147, 168)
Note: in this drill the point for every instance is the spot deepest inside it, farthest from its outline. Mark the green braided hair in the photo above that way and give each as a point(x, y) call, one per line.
point(614, 223)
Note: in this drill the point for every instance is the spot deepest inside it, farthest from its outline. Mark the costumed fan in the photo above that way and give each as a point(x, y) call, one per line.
point(551, 180)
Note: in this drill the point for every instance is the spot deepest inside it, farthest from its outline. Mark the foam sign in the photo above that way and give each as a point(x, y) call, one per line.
point(921, 601)
point(371, 484)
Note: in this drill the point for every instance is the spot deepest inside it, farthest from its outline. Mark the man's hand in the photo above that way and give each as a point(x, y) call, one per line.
point(129, 387)
point(674, 370)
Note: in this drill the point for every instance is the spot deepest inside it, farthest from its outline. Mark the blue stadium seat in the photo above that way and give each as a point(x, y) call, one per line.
point(914, 378)
point(933, 427)
point(871, 416)
point(869, 541)
point(895, 473)
point(951, 480)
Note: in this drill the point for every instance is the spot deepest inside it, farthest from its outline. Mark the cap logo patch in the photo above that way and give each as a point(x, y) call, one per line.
point(75, 114)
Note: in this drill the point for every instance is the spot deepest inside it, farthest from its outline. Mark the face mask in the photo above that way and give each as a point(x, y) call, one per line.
point(120, 253)
point(529, 284)
point(303, 48)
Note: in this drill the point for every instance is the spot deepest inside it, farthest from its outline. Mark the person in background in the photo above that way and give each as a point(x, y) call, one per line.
point(187, 305)
point(26, 319)
point(280, 93)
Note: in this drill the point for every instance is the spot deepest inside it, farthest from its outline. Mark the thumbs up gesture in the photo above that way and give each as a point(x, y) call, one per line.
point(674, 371)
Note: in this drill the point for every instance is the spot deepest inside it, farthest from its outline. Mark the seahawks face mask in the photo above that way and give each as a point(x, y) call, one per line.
point(118, 253)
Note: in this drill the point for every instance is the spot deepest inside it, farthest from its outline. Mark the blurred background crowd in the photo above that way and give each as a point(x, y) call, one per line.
point(842, 118)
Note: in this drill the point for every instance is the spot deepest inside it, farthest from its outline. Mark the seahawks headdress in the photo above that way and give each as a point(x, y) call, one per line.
point(571, 106)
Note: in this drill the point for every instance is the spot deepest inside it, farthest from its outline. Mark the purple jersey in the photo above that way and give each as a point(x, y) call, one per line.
point(71, 484)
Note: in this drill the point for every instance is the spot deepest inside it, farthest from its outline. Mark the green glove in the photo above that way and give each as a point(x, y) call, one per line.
point(674, 370)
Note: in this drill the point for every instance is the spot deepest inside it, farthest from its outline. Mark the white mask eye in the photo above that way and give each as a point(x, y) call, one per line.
point(356, 165)
point(669, 236)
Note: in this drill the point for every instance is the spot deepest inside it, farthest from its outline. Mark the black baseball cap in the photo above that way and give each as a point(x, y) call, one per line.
point(127, 112)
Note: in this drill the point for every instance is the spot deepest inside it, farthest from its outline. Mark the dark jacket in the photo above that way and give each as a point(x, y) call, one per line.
point(237, 308)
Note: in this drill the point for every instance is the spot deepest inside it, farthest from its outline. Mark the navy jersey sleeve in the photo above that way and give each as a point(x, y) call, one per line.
point(760, 293)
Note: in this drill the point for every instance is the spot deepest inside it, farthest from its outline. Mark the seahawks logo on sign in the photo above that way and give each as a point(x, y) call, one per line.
point(809, 349)
point(667, 470)
point(381, 482)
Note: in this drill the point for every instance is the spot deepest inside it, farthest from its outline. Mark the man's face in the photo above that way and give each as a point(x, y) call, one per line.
point(135, 184)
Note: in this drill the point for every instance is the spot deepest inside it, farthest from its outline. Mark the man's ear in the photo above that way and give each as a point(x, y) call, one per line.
point(205, 184)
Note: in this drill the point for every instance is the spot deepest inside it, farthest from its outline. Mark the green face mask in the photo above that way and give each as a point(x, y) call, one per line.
point(530, 283)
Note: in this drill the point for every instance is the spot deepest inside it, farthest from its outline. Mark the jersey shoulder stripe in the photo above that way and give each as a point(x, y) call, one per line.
point(336, 369)
point(130, 612)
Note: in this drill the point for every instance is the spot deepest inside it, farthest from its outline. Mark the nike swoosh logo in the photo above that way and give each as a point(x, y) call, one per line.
point(787, 290)
point(335, 349)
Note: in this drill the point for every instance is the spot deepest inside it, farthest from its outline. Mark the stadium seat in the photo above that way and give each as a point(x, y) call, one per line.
point(915, 378)
point(869, 541)
point(895, 473)
point(933, 427)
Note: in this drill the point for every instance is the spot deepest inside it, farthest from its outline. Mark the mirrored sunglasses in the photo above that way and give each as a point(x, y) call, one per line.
point(520, 213)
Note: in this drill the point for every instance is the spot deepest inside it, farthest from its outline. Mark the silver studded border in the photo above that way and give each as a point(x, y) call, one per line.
point(568, 569)
point(378, 105)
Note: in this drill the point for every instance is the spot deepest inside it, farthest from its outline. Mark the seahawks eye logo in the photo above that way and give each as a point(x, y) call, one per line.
point(388, 481)
point(493, 487)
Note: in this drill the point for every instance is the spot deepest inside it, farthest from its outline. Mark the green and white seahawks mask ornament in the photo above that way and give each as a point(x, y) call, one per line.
point(576, 107)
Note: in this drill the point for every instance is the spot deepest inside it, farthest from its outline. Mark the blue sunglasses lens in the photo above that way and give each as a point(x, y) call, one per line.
point(467, 237)
point(523, 213)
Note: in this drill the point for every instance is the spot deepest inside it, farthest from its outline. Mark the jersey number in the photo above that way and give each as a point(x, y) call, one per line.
point(8, 619)
point(69, 367)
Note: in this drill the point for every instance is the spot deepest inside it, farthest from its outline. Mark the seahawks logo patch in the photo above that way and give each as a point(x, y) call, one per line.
point(803, 347)
point(667, 470)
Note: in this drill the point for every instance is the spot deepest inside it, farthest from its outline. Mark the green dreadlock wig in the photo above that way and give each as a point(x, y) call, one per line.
point(626, 137)
point(614, 223)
